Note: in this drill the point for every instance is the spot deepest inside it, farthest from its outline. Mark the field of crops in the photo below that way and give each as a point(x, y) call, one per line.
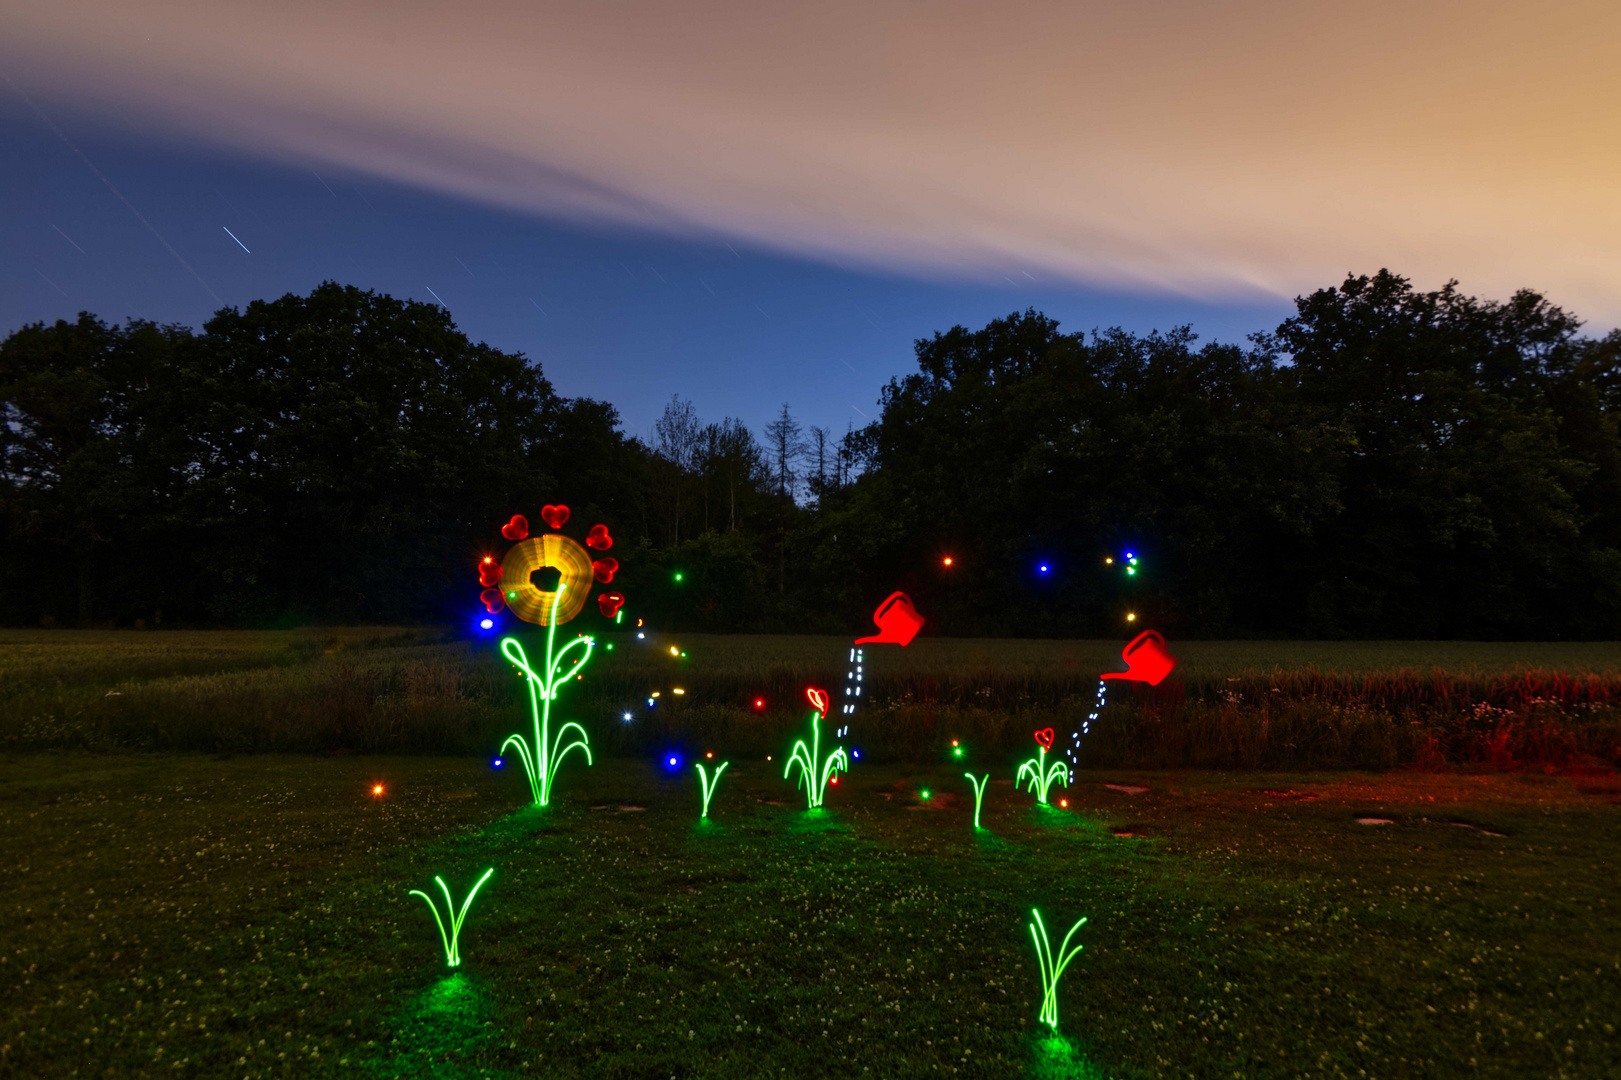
point(1229, 704)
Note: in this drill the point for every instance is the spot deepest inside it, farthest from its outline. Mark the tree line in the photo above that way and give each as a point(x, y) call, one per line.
point(1385, 463)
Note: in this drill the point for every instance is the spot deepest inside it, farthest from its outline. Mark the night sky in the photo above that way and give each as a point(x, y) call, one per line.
point(748, 205)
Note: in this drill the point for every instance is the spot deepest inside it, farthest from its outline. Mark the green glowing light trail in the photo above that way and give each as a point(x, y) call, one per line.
point(541, 765)
point(813, 769)
point(1041, 776)
point(452, 941)
point(709, 785)
point(1051, 970)
point(979, 793)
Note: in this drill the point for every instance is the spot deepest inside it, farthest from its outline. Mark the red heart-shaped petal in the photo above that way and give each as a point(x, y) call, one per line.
point(489, 572)
point(605, 569)
point(554, 516)
point(817, 698)
point(493, 600)
point(599, 538)
point(609, 604)
point(1045, 738)
point(517, 528)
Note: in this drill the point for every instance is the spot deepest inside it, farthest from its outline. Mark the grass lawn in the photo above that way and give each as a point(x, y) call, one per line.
point(180, 915)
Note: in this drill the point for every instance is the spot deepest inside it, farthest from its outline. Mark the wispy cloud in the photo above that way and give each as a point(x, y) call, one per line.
point(1211, 149)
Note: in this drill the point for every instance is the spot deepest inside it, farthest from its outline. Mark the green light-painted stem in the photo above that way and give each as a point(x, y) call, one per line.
point(452, 941)
point(814, 771)
point(979, 793)
point(1041, 776)
point(709, 785)
point(1051, 969)
point(541, 764)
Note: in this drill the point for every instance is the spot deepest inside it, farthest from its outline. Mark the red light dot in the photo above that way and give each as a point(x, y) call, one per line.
point(834, 780)
point(1064, 803)
point(710, 754)
point(377, 789)
point(759, 703)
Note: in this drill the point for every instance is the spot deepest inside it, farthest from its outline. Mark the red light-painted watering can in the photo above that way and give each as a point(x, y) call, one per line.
point(1146, 660)
point(897, 620)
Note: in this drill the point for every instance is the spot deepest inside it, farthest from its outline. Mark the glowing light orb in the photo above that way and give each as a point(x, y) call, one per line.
point(529, 601)
point(496, 763)
point(377, 789)
point(486, 624)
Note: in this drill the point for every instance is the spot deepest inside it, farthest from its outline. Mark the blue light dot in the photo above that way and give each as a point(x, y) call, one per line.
point(856, 754)
point(487, 624)
point(627, 716)
point(1043, 568)
point(672, 762)
point(497, 763)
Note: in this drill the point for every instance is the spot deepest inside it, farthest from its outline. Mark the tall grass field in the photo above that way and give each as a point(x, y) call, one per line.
point(1228, 704)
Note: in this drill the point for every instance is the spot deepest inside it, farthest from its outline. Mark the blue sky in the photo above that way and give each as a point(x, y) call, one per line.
point(614, 312)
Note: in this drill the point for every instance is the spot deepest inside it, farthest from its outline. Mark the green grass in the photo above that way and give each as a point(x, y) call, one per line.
point(251, 917)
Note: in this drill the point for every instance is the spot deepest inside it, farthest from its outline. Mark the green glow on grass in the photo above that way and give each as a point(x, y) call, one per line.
point(979, 793)
point(709, 785)
point(1041, 775)
point(1051, 970)
point(541, 765)
point(451, 941)
point(813, 769)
